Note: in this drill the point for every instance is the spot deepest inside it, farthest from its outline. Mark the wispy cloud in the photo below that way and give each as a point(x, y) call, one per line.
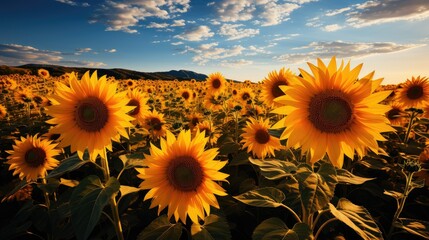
point(74, 3)
point(234, 31)
point(126, 15)
point(332, 28)
point(210, 51)
point(376, 12)
point(263, 12)
point(341, 49)
point(196, 34)
point(178, 23)
point(79, 51)
point(235, 63)
point(337, 11)
point(110, 50)
point(16, 54)
point(157, 25)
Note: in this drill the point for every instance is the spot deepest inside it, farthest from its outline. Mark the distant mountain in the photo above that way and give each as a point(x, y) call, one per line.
point(118, 73)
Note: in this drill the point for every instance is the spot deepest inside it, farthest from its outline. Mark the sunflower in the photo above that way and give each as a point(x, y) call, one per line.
point(271, 85)
point(31, 157)
point(216, 83)
point(245, 95)
point(138, 100)
point(43, 73)
point(209, 130)
point(257, 139)
point(338, 113)
point(23, 96)
point(89, 114)
point(414, 92)
point(396, 114)
point(186, 94)
point(154, 122)
point(182, 175)
point(3, 112)
point(195, 118)
point(213, 102)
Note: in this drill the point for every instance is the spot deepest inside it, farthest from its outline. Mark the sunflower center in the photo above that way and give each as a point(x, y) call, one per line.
point(245, 96)
point(393, 114)
point(415, 92)
point(331, 111)
point(91, 114)
point(276, 91)
point(156, 124)
point(136, 104)
point(195, 121)
point(216, 83)
point(262, 136)
point(185, 95)
point(35, 157)
point(185, 173)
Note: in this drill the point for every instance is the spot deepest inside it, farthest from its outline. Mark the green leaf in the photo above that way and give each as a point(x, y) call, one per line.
point(346, 177)
point(229, 147)
point(69, 182)
point(239, 158)
point(415, 226)
point(274, 169)
point(87, 202)
point(132, 160)
point(275, 228)
point(67, 165)
point(262, 197)
point(394, 194)
point(161, 229)
point(357, 218)
point(49, 187)
point(127, 190)
point(316, 189)
point(375, 163)
point(214, 227)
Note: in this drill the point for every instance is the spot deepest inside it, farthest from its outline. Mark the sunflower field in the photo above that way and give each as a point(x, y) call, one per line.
point(326, 153)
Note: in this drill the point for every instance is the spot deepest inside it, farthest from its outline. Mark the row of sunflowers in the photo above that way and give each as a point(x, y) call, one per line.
point(325, 154)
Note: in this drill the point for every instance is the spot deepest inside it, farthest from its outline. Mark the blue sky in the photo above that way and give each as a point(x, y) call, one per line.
point(243, 39)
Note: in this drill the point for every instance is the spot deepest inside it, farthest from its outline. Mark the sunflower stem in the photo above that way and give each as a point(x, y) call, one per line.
point(407, 190)
point(46, 194)
point(112, 201)
point(410, 124)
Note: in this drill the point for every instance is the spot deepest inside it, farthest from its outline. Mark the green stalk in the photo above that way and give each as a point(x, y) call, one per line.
point(410, 124)
point(112, 201)
point(409, 178)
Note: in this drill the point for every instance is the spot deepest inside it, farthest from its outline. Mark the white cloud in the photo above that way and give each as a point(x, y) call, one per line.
point(235, 10)
point(313, 22)
point(83, 50)
point(377, 12)
point(332, 28)
point(263, 12)
point(125, 15)
point(340, 49)
point(178, 23)
point(157, 25)
point(337, 11)
point(177, 43)
point(235, 63)
point(196, 34)
point(110, 50)
point(234, 32)
point(210, 51)
point(73, 3)
point(274, 13)
point(15, 54)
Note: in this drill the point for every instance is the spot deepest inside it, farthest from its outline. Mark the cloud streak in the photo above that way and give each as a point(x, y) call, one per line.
point(126, 15)
point(16, 54)
point(340, 49)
